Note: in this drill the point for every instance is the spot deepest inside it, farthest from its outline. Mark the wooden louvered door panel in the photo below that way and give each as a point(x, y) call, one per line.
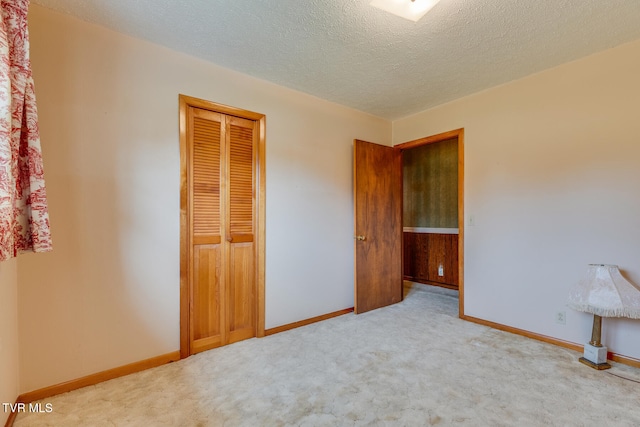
point(222, 212)
point(207, 219)
point(241, 135)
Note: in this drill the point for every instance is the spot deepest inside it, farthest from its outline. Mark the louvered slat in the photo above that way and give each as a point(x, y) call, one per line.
point(206, 177)
point(241, 180)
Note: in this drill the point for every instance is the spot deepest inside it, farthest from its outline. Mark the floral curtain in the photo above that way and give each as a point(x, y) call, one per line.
point(24, 218)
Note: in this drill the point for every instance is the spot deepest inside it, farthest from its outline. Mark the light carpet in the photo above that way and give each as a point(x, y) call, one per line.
point(411, 364)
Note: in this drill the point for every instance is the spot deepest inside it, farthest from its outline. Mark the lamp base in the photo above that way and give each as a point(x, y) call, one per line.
point(598, 366)
point(595, 356)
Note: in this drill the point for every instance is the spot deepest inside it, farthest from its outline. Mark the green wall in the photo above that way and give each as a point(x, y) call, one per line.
point(431, 185)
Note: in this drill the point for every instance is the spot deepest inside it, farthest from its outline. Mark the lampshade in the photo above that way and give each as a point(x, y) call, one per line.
point(604, 292)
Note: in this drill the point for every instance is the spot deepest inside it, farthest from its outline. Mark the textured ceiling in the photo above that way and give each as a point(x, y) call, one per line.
point(351, 53)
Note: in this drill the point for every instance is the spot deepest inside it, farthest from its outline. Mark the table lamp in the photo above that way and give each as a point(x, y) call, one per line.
point(603, 293)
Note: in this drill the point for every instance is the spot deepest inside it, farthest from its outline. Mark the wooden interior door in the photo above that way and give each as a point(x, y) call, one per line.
point(378, 226)
point(222, 159)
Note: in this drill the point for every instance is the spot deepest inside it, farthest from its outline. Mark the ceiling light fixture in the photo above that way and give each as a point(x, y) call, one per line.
point(412, 10)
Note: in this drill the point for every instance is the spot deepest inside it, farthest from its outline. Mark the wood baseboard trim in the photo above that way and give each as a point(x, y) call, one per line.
point(550, 340)
point(305, 322)
point(625, 360)
point(99, 377)
point(12, 417)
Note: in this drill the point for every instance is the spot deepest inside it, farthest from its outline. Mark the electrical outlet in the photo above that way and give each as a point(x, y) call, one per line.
point(561, 317)
point(440, 270)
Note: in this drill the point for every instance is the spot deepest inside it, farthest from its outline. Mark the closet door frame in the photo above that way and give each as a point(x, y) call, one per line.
point(186, 102)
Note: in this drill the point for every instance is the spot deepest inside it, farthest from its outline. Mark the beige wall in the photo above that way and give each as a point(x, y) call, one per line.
point(9, 362)
point(108, 104)
point(550, 163)
point(552, 167)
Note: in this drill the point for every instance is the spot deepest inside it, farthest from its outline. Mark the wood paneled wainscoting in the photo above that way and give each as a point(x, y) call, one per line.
point(431, 256)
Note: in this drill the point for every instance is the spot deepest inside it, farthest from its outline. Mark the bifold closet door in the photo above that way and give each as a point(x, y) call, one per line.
point(222, 202)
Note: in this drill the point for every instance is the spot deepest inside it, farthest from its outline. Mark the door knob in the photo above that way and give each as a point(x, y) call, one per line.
point(361, 238)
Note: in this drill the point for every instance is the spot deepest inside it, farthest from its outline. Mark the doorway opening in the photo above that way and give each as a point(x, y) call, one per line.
point(433, 211)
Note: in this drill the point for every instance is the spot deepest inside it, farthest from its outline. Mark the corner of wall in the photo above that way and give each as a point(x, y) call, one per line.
point(9, 360)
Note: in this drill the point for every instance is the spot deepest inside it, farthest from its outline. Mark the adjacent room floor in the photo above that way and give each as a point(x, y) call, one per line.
point(411, 364)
